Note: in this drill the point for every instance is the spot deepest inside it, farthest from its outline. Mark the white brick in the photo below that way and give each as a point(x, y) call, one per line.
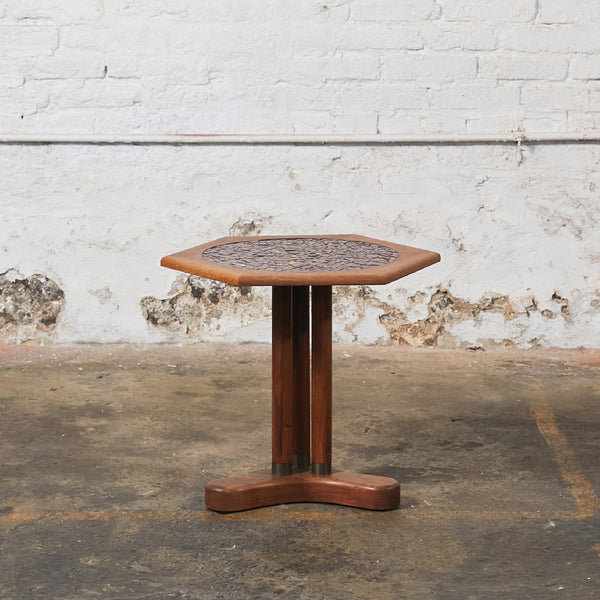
point(178, 95)
point(117, 37)
point(365, 36)
point(553, 97)
point(65, 65)
point(357, 122)
point(260, 38)
point(494, 123)
point(439, 35)
point(475, 97)
point(556, 121)
point(585, 67)
point(236, 11)
point(362, 183)
point(59, 12)
point(585, 121)
point(223, 117)
point(543, 38)
point(28, 40)
point(296, 97)
point(10, 74)
point(351, 65)
point(518, 66)
point(123, 65)
point(594, 103)
point(386, 11)
point(83, 37)
point(445, 121)
point(477, 10)
point(307, 121)
point(84, 119)
point(400, 121)
point(559, 11)
point(24, 100)
point(174, 68)
point(101, 92)
point(436, 68)
point(377, 97)
point(239, 70)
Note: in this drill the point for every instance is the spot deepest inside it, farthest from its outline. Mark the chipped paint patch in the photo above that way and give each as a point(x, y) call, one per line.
point(200, 308)
point(440, 319)
point(426, 321)
point(205, 307)
point(30, 307)
point(250, 223)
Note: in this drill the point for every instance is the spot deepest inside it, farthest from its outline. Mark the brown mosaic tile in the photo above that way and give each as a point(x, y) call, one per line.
point(302, 255)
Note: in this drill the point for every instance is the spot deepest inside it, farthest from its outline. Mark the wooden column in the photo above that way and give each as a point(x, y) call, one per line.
point(321, 380)
point(282, 381)
point(301, 377)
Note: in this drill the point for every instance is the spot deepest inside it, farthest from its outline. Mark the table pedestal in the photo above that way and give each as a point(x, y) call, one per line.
point(301, 400)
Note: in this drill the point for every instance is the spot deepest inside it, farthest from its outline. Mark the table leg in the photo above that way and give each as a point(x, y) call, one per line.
point(290, 422)
point(301, 377)
point(321, 380)
point(282, 385)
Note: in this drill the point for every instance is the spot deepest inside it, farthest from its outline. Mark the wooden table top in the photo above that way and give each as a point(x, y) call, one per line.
point(301, 260)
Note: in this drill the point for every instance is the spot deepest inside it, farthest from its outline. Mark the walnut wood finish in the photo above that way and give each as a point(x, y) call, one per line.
point(296, 393)
point(321, 380)
point(301, 377)
point(409, 260)
point(281, 384)
point(263, 489)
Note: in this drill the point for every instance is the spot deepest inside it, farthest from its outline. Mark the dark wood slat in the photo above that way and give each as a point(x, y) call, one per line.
point(262, 489)
point(282, 381)
point(301, 376)
point(321, 378)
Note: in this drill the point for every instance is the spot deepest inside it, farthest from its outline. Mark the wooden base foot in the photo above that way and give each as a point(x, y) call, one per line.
point(264, 489)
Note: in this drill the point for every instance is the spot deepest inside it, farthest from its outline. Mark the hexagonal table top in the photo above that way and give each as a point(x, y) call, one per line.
point(301, 260)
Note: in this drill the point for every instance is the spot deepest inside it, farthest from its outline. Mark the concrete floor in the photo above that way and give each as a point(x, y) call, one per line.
point(104, 452)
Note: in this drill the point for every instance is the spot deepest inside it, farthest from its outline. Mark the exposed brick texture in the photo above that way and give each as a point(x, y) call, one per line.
point(520, 224)
point(283, 66)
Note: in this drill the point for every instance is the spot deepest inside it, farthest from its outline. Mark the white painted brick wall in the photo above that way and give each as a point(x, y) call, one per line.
point(28, 40)
point(230, 66)
point(283, 66)
point(517, 66)
point(516, 11)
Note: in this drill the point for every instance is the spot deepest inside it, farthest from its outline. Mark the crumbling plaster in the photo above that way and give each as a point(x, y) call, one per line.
point(517, 227)
point(518, 235)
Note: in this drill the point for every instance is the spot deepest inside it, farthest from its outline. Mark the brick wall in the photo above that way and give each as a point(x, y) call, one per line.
point(283, 66)
point(523, 227)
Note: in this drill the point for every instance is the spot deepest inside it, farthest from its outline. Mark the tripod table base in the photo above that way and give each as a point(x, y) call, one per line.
point(264, 489)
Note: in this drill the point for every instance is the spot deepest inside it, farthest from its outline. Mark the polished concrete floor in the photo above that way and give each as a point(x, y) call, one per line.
point(105, 450)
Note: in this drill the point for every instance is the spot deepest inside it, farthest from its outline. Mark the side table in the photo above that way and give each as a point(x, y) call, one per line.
point(301, 271)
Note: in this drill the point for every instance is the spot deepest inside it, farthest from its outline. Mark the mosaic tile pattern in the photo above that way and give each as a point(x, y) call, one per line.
point(302, 255)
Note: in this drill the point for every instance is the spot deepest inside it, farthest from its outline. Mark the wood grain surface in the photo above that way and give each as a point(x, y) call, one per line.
point(409, 260)
point(263, 489)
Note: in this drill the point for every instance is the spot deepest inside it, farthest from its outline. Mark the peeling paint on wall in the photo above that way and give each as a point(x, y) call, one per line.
point(30, 307)
point(205, 307)
point(431, 320)
point(250, 223)
point(496, 227)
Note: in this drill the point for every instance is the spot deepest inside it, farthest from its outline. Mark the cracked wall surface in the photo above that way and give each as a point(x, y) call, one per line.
point(517, 226)
point(204, 309)
point(440, 319)
point(30, 307)
point(511, 273)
